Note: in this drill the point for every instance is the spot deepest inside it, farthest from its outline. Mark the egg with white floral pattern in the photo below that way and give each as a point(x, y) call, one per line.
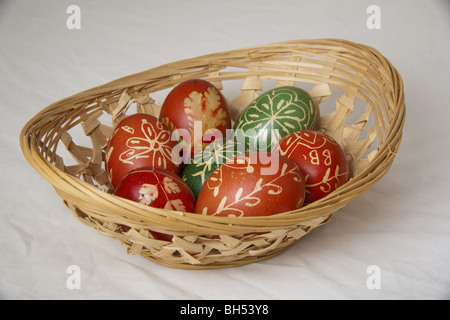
point(253, 184)
point(275, 114)
point(139, 140)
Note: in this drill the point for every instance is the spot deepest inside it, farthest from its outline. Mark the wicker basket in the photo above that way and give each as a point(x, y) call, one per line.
point(361, 99)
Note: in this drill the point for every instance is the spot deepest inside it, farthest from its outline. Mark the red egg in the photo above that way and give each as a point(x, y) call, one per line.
point(321, 159)
point(139, 140)
point(198, 107)
point(159, 188)
point(254, 184)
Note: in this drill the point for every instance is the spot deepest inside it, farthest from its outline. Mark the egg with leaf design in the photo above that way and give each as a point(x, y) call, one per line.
point(158, 188)
point(198, 111)
point(253, 184)
point(273, 115)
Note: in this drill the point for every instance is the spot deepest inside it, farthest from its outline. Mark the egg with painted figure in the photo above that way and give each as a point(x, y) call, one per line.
point(253, 184)
point(158, 188)
point(139, 140)
point(273, 115)
point(208, 160)
point(198, 111)
point(321, 159)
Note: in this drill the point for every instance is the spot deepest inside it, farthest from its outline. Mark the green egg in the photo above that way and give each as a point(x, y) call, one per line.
point(273, 115)
point(204, 163)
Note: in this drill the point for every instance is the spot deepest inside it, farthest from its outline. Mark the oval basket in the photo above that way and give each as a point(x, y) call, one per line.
point(361, 100)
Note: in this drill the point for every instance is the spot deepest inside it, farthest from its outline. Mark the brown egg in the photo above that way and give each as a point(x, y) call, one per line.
point(254, 184)
point(321, 159)
point(139, 140)
point(200, 109)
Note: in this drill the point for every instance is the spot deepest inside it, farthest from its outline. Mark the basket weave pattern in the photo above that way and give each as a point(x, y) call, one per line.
point(361, 99)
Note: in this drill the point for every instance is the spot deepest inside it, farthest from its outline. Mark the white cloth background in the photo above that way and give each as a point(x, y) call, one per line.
point(401, 225)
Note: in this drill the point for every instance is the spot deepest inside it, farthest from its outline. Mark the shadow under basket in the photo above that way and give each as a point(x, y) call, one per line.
point(361, 100)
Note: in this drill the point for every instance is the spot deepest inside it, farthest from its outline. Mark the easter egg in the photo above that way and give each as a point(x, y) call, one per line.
point(321, 159)
point(273, 115)
point(197, 109)
point(159, 188)
point(139, 140)
point(252, 185)
point(206, 161)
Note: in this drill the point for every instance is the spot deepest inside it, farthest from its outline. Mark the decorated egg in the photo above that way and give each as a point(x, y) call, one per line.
point(159, 188)
point(139, 140)
point(206, 161)
point(200, 112)
point(273, 115)
point(321, 159)
point(253, 184)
